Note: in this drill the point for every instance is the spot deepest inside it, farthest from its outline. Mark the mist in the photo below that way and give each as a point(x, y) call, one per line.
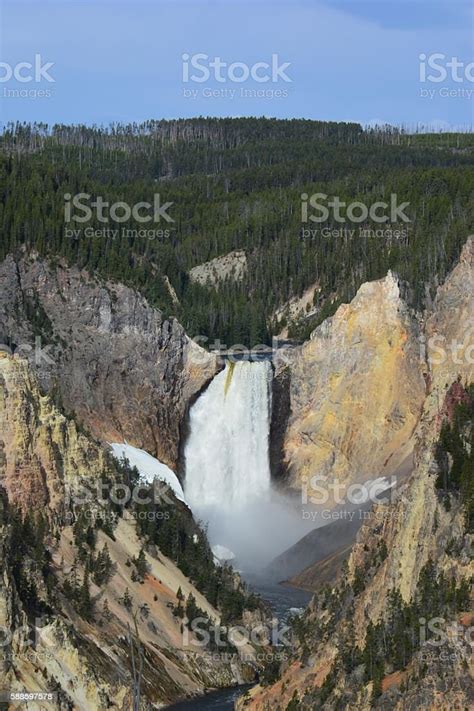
point(256, 531)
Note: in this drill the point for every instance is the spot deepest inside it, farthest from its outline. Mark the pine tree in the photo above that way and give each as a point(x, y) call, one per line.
point(85, 605)
point(103, 567)
point(141, 565)
point(377, 680)
point(107, 615)
point(192, 610)
point(126, 599)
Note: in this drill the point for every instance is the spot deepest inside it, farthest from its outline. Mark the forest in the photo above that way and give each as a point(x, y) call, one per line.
point(237, 184)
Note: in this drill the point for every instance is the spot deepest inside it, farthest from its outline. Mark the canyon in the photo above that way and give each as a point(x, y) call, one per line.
point(87, 362)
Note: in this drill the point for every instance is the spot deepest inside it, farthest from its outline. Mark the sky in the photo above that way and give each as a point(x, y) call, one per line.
point(103, 61)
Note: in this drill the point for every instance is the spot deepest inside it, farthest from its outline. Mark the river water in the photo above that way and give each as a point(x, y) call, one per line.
point(284, 601)
point(221, 700)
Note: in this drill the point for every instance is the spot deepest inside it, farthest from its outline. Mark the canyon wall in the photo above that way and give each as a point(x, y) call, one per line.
point(356, 390)
point(116, 363)
point(48, 469)
point(396, 542)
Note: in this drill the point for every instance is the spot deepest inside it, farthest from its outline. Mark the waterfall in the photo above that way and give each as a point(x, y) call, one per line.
point(226, 455)
point(227, 471)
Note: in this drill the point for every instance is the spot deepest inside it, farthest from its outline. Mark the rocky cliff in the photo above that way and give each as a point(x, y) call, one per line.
point(42, 451)
point(355, 390)
point(231, 266)
point(117, 364)
point(73, 600)
point(363, 643)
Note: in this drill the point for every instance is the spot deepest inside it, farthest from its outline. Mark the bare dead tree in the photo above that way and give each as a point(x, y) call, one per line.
point(136, 652)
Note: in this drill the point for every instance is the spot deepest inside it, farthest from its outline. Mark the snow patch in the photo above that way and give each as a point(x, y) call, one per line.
point(149, 467)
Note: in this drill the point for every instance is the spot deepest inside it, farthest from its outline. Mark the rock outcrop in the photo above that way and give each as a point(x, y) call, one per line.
point(116, 363)
point(353, 394)
point(42, 451)
point(297, 308)
point(449, 332)
point(356, 390)
point(231, 266)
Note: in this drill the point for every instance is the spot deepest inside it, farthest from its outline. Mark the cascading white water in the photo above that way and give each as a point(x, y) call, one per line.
point(226, 455)
point(227, 471)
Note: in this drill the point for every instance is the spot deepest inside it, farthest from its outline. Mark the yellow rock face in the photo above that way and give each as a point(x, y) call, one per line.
point(42, 454)
point(356, 391)
point(42, 450)
point(450, 330)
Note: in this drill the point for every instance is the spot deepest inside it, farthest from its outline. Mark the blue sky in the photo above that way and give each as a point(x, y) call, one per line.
point(351, 60)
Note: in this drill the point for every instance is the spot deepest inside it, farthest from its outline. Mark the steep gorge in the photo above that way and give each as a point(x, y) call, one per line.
point(365, 395)
point(64, 630)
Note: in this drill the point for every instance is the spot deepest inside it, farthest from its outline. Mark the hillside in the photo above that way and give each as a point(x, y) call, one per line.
point(120, 366)
point(236, 185)
point(105, 328)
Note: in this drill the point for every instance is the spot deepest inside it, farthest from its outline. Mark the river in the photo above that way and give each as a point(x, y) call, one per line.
point(220, 700)
point(228, 485)
point(284, 601)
